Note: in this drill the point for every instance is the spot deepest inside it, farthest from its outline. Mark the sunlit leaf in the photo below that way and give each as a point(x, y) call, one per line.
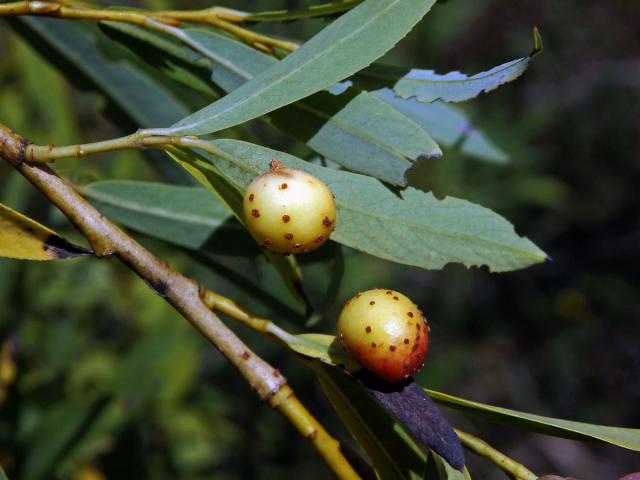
point(622, 437)
point(411, 227)
point(326, 348)
point(355, 129)
point(25, 239)
point(350, 43)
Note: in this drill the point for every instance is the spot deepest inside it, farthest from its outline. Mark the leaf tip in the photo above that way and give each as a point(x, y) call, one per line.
point(538, 47)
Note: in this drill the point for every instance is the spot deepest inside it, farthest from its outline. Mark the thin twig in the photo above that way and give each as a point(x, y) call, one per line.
point(507, 464)
point(183, 293)
point(223, 18)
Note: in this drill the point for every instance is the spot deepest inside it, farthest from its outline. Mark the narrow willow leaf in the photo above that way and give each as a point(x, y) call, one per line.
point(448, 125)
point(429, 86)
point(322, 10)
point(407, 226)
point(326, 348)
point(392, 452)
point(622, 437)
point(25, 239)
point(231, 195)
point(355, 129)
point(360, 132)
point(350, 43)
point(185, 216)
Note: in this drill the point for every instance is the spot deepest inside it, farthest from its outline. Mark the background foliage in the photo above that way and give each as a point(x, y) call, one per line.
point(107, 375)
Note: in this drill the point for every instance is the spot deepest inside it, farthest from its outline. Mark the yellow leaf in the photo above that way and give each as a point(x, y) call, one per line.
point(26, 239)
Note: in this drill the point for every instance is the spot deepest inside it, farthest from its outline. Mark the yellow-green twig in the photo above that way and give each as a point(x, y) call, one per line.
point(183, 293)
point(507, 464)
point(223, 18)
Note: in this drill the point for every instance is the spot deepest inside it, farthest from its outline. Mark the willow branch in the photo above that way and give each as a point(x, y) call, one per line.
point(223, 18)
point(183, 293)
point(49, 153)
point(507, 464)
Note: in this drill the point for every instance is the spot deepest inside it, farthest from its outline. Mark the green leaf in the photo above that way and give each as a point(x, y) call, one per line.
point(325, 348)
point(25, 239)
point(344, 47)
point(355, 129)
point(360, 132)
point(322, 10)
point(447, 124)
point(622, 437)
point(428, 86)
point(391, 450)
point(185, 216)
point(406, 226)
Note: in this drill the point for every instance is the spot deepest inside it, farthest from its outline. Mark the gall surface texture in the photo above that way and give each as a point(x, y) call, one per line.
point(385, 332)
point(288, 210)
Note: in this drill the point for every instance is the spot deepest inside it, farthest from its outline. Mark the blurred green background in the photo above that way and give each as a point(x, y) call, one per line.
point(111, 383)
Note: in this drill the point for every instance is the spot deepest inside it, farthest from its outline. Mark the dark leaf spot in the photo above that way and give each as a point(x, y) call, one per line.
point(61, 248)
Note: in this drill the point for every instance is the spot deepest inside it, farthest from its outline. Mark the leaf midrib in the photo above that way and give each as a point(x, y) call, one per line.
point(152, 211)
point(249, 167)
point(283, 78)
